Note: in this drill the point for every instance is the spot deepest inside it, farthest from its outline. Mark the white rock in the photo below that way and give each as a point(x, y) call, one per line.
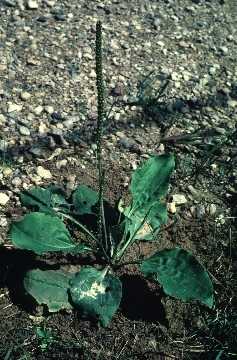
point(7, 171)
point(14, 107)
point(4, 198)
point(16, 181)
point(161, 148)
point(212, 209)
point(3, 67)
point(224, 50)
point(175, 76)
point(25, 96)
point(92, 74)
point(43, 173)
point(179, 199)
point(42, 128)
point(50, 3)
point(70, 122)
point(2, 119)
point(134, 165)
point(49, 109)
point(171, 207)
point(232, 103)
point(61, 163)
point(24, 131)
point(32, 4)
point(214, 166)
point(3, 221)
point(38, 110)
point(36, 179)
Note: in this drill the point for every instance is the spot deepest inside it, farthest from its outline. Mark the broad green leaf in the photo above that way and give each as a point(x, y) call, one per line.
point(145, 223)
point(150, 181)
point(84, 198)
point(149, 186)
point(96, 294)
point(41, 233)
point(180, 274)
point(44, 199)
point(38, 198)
point(49, 287)
point(58, 198)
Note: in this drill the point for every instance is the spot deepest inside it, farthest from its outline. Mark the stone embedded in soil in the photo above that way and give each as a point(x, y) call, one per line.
point(4, 198)
point(2, 119)
point(16, 181)
point(25, 96)
point(61, 163)
point(14, 107)
point(44, 173)
point(92, 74)
point(232, 103)
point(50, 3)
point(224, 50)
point(3, 221)
point(7, 171)
point(179, 199)
point(49, 109)
point(212, 209)
point(24, 131)
point(32, 4)
point(171, 207)
point(43, 129)
point(70, 122)
point(38, 110)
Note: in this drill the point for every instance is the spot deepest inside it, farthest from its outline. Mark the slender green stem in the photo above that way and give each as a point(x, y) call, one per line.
point(99, 134)
point(86, 230)
point(79, 224)
point(122, 248)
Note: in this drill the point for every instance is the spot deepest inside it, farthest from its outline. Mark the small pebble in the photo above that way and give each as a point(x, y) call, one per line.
point(212, 209)
point(38, 110)
point(61, 163)
point(179, 199)
point(49, 109)
point(24, 131)
point(7, 171)
point(4, 198)
point(16, 181)
point(25, 96)
point(32, 4)
point(14, 107)
point(3, 221)
point(43, 173)
point(171, 207)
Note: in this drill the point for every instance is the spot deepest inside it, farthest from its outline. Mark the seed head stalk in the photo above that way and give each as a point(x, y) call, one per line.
point(99, 134)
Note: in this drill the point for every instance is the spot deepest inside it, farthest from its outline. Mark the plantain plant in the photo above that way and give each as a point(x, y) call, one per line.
point(96, 291)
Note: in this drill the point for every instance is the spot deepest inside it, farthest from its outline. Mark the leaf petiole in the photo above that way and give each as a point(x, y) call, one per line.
point(77, 223)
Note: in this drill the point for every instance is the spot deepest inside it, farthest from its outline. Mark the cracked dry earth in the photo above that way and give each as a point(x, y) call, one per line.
point(47, 122)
